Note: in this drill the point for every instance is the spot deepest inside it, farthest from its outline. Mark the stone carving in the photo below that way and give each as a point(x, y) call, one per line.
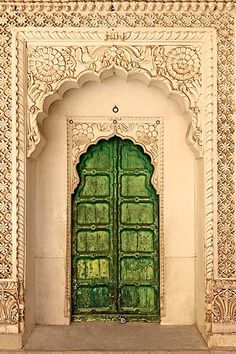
point(224, 302)
point(183, 64)
point(20, 14)
point(47, 65)
point(226, 152)
point(9, 308)
point(224, 307)
point(179, 67)
point(6, 265)
point(129, 6)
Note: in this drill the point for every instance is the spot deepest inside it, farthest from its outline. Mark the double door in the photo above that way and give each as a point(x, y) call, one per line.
point(115, 266)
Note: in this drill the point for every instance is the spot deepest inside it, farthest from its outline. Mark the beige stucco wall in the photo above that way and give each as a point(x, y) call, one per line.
point(133, 98)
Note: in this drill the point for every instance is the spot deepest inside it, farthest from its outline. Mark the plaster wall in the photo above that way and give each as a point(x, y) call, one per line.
point(30, 254)
point(133, 98)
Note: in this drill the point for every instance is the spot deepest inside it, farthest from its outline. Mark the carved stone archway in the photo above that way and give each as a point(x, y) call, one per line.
point(171, 61)
point(208, 35)
point(174, 64)
point(176, 67)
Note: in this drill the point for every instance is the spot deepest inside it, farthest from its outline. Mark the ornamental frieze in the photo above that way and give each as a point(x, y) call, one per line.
point(178, 67)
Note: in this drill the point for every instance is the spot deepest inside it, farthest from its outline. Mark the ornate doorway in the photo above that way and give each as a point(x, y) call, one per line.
point(115, 264)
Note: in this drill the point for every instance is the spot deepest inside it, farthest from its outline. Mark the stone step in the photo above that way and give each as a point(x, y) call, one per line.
point(116, 338)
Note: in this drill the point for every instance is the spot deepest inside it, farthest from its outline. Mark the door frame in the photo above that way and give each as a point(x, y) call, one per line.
point(85, 131)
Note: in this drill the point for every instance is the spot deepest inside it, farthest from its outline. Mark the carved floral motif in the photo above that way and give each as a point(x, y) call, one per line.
point(224, 302)
point(125, 57)
point(224, 307)
point(183, 63)
point(178, 67)
point(47, 65)
point(9, 308)
point(147, 134)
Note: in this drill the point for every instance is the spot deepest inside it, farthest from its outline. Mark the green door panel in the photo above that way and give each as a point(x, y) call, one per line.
point(115, 265)
point(93, 213)
point(137, 241)
point(139, 300)
point(133, 186)
point(137, 212)
point(96, 186)
point(93, 241)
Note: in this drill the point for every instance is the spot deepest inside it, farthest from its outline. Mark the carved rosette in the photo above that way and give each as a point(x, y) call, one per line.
point(183, 64)
point(178, 67)
point(47, 65)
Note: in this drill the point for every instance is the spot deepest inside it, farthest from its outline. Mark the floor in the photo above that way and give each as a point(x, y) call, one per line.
point(129, 338)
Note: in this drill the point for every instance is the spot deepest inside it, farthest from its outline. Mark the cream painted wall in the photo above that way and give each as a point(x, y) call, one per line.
point(30, 249)
point(97, 99)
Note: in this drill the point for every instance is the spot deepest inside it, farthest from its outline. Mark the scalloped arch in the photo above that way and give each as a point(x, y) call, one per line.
point(155, 180)
point(36, 144)
point(144, 148)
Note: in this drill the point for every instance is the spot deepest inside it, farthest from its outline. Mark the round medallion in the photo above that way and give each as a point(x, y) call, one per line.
point(183, 63)
point(47, 65)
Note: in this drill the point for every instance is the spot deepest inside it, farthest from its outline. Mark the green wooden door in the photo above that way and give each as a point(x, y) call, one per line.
point(115, 234)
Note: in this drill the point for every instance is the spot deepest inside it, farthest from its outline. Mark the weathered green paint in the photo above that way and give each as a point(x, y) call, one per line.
point(115, 234)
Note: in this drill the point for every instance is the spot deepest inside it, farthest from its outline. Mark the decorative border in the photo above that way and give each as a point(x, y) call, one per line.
point(142, 6)
point(50, 14)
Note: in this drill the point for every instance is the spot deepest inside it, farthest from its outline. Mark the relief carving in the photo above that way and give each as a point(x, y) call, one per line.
point(224, 307)
point(47, 65)
point(127, 6)
point(9, 305)
point(180, 68)
point(183, 64)
point(223, 304)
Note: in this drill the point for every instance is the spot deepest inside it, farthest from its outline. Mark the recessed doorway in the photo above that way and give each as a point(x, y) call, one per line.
point(115, 262)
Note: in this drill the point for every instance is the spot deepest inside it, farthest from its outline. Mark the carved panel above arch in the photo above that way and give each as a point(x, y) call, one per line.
point(176, 63)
